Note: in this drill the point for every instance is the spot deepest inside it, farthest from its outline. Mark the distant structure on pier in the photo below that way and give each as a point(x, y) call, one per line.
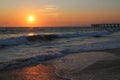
point(114, 27)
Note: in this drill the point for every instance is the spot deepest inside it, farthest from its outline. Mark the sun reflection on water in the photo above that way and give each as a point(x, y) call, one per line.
point(37, 72)
point(31, 34)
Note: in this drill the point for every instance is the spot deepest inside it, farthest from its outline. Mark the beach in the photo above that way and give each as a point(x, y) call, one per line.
point(96, 65)
point(59, 40)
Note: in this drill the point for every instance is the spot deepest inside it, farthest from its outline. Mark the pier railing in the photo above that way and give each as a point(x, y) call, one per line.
point(111, 27)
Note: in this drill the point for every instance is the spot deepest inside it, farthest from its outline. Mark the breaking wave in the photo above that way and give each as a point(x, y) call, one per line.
point(26, 39)
point(44, 57)
point(48, 37)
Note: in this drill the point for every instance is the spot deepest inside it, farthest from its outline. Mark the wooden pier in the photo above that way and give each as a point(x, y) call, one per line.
point(106, 25)
point(111, 27)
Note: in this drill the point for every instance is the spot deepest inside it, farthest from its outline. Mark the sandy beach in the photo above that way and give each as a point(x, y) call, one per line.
point(97, 65)
point(60, 40)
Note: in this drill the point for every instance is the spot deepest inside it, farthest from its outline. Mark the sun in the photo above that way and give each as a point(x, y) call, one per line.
point(31, 18)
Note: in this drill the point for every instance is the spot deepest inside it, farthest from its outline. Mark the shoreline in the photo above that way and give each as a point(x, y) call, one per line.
point(73, 66)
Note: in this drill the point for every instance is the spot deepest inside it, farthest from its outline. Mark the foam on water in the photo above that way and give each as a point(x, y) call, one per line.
point(94, 46)
point(26, 39)
point(40, 58)
point(44, 47)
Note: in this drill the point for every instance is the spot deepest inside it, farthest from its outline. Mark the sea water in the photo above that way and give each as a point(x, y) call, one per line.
point(26, 46)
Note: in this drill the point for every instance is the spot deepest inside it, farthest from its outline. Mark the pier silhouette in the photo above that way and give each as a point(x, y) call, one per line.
point(111, 27)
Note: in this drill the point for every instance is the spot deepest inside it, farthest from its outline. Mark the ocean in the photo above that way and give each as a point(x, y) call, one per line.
point(20, 47)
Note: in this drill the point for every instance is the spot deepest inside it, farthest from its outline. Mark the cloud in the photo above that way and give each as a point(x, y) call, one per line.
point(51, 10)
point(50, 7)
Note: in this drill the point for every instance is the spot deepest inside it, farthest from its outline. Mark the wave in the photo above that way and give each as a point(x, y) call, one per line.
point(93, 34)
point(44, 57)
point(27, 61)
point(93, 47)
point(26, 39)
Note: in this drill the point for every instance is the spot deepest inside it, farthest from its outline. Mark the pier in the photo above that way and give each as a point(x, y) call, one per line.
point(112, 27)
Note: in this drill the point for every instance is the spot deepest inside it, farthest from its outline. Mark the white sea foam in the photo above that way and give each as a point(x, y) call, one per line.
point(94, 46)
point(100, 33)
point(23, 39)
point(52, 49)
point(12, 41)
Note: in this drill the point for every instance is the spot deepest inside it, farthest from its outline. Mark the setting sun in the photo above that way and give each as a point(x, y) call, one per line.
point(31, 18)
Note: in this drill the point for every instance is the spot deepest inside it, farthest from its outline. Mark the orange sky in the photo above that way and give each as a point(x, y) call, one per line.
point(56, 14)
point(65, 19)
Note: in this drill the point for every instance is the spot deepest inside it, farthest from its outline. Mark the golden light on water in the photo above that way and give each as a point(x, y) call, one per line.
point(31, 34)
point(36, 72)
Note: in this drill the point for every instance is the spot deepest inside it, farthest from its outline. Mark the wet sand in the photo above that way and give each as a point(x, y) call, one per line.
point(36, 72)
point(101, 70)
point(97, 65)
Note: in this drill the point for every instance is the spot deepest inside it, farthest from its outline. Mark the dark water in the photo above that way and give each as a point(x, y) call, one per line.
point(25, 46)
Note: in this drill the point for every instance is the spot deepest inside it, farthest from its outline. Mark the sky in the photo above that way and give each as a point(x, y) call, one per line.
point(58, 12)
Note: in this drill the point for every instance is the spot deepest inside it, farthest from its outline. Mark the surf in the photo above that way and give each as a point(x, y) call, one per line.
point(13, 41)
point(22, 62)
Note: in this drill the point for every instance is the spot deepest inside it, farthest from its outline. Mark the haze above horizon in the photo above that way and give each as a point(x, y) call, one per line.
point(58, 12)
